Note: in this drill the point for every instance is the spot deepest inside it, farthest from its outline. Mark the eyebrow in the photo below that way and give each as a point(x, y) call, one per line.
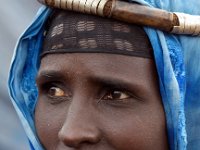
point(111, 81)
point(51, 75)
point(121, 84)
point(130, 84)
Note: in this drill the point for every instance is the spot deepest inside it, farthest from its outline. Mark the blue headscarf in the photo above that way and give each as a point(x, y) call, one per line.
point(177, 59)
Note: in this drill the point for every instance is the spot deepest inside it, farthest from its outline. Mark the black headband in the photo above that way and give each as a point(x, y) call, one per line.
point(72, 32)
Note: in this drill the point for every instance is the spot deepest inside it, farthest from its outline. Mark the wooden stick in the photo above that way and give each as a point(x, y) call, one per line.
point(143, 15)
point(133, 13)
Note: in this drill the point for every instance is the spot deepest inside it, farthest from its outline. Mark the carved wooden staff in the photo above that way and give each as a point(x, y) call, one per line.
point(178, 23)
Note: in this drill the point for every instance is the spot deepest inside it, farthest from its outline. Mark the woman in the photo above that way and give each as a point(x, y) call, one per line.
point(86, 84)
point(98, 100)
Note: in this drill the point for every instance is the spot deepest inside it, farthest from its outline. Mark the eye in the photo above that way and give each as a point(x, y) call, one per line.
point(56, 92)
point(116, 95)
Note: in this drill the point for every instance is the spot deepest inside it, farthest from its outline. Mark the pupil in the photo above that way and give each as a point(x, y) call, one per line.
point(52, 91)
point(116, 94)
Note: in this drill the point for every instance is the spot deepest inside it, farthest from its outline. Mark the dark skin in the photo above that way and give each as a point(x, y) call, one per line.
point(99, 102)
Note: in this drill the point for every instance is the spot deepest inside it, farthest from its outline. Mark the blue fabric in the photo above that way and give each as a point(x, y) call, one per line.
point(177, 59)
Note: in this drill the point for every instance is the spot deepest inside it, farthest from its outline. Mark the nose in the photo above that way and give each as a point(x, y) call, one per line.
point(79, 127)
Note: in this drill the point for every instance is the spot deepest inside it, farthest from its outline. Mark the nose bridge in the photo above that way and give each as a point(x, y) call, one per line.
point(80, 125)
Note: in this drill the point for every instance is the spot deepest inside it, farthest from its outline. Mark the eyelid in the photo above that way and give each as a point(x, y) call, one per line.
point(44, 90)
point(120, 91)
point(45, 80)
point(49, 76)
point(54, 78)
point(44, 86)
point(118, 87)
point(110, 88)
point(57, 100)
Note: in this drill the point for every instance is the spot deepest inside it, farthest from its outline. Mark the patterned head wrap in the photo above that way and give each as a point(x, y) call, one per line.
point(177, 60)
point(73, 32)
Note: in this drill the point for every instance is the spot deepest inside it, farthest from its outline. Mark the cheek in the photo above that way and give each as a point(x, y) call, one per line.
point(140, 128)
point(48, 122)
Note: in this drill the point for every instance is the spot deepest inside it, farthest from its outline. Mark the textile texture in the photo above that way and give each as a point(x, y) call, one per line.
point(75, 32)
point(177, 60)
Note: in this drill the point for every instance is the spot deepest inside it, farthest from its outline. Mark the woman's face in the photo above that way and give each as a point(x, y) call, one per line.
point(99, 102)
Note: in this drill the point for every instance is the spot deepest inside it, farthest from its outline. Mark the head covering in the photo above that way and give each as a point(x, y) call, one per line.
point(177, 60)
point(72, 32)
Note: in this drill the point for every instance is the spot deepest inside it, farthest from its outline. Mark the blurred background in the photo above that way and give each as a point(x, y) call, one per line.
point(15, 16)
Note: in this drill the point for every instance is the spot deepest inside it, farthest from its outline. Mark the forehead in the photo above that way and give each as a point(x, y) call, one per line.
point(94, 60)
point(87, 65)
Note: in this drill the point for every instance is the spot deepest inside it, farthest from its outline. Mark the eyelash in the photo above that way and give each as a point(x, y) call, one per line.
point(107, 90)
point(111, 90)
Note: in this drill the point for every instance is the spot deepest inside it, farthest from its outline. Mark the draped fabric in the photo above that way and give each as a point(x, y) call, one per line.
point(177, 59)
